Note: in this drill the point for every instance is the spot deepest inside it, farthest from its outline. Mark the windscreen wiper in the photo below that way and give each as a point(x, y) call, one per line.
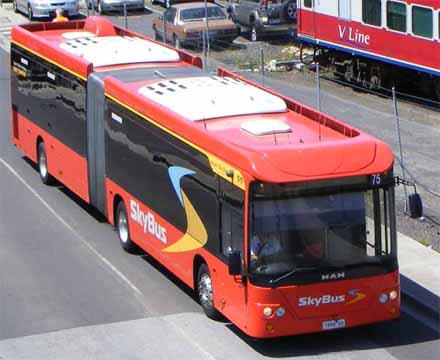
point(291, 272)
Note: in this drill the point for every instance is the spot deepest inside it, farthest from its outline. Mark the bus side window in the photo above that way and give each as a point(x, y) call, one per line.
point(231, 228)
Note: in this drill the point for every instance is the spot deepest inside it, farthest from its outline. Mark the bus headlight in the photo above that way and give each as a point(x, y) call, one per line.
point(393, 295)
point(280, 311)
point(383, 298)
point(267, 311)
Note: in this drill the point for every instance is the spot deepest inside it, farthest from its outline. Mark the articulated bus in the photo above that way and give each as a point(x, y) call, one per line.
point(281, 218)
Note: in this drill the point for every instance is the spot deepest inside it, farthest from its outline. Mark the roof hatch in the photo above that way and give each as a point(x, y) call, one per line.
point(265, 127)
point(208, 97)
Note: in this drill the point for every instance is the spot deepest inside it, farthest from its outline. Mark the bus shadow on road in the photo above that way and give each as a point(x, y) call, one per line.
point(404, 331)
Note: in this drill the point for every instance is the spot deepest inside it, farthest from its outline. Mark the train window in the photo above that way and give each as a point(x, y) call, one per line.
point(422, 22)
point(396, 16)
point(345, 9)
point(372, 12)
point(308, 3)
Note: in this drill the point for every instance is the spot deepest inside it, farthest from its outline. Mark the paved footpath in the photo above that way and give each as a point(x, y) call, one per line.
point(185, 335)
point(7, 20)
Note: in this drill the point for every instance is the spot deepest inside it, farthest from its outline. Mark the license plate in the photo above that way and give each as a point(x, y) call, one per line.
point(333, 324)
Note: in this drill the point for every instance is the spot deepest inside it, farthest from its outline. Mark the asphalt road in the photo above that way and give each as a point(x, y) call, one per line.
point(65, 280)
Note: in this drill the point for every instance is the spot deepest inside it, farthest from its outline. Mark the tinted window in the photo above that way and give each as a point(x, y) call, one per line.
point(199, 14)
point(422, 22)
point(372, 12)
point(308, 3)
point(138, 158)
point(396, 16)
point(51, 98)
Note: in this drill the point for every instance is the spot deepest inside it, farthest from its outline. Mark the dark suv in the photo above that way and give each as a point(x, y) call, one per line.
point(264, 16)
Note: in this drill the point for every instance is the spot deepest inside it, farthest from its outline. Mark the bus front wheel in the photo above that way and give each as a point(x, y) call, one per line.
point(122, 228)
point(205, 293)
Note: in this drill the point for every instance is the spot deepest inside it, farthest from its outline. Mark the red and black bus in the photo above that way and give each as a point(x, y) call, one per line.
point(281, 218)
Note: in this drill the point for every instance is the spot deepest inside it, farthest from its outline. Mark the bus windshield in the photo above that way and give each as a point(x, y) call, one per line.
point(321, 231)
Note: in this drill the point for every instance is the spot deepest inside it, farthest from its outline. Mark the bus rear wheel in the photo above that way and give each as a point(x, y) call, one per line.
point(45, 177)
point(205, 292)
point(121, 223)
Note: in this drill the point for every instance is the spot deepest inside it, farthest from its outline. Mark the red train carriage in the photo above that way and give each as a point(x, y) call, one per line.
point(280, 217)
point(377, 41)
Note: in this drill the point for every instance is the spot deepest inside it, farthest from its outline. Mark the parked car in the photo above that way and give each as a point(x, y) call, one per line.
point(185, 23)
point(103, 6)
point(264, 17)
point(46, 8)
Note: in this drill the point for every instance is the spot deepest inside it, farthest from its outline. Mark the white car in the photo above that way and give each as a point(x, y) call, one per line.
point(115, 5)
point(46, 8)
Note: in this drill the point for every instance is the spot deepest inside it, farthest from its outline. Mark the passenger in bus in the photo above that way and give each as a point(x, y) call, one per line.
point(60, 16)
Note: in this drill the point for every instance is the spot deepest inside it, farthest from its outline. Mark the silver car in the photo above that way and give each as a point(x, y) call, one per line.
point(46, 8)
point(102, 6)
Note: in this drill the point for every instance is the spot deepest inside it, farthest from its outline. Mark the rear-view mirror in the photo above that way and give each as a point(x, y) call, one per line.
point(234, 262)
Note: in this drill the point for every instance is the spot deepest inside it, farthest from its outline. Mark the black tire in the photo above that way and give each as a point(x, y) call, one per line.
point(122, 227)
point(14, 6)
point(154, 2)
point(45, 177)
point(291, 11)
point(205, 292)
point(30, 13)
point(253, 34)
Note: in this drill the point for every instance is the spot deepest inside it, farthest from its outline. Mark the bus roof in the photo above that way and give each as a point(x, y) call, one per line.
point(84, 45)
point(260, 132)
point(269, 136)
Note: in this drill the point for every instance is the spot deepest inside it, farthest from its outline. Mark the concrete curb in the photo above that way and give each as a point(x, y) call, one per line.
point(419, 274)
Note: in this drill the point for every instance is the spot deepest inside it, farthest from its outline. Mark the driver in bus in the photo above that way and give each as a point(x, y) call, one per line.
point(264, 246)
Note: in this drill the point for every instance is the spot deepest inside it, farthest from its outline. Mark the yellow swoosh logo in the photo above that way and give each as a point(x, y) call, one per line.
point(195, 236)
point(358, 297)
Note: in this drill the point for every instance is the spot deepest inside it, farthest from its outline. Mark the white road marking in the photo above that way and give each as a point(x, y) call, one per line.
point(103, 259)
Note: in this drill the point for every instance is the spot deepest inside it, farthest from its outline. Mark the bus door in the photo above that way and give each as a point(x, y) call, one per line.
point(95, 141)
point(233, 293)
point(307, 18)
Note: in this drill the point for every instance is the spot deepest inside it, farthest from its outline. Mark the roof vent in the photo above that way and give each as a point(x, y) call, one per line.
point(265, 127)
